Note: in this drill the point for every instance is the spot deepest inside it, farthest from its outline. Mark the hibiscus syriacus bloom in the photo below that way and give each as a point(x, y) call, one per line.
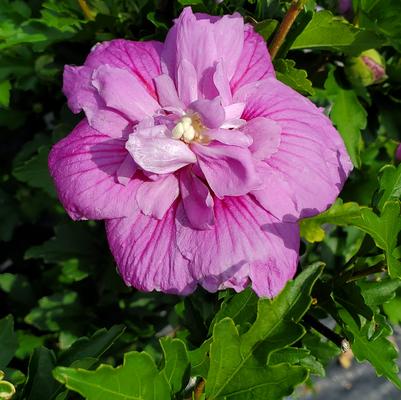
point(197, 158)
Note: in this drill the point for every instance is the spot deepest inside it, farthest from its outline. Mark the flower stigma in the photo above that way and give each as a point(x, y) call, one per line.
point(189, 128)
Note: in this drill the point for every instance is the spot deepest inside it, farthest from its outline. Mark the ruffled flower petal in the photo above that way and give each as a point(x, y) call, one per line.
point(254, 63)
point(222, 84)
point(126, 170)
point(229, 170)
point(155, 152)
point(187, 82)
point(122, 91)
point(167, 92)
point(204, 41)
point(84, 168)
point(141, 59)
point(311, 163)
point(197, 200)
point(265, 135)
point(211, 112)
point(230, 136)
point(82, 96)
point(246, 243)
point(154, 198)
point(146, 252)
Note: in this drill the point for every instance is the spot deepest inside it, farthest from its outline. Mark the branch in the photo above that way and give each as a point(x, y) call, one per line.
point(339, 341)
point(366, 272)
point(285, 26)
point(89, 14)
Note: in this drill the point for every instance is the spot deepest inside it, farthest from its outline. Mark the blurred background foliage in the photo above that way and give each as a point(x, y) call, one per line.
point(62, 301)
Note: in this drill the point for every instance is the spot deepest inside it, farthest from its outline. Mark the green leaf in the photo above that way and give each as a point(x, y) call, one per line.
point(28, 343)
point(300, 356)
point(93, 347)
point(393, 310)
point(8, 341)
point(237, 375)
point(329, 32)
point(381, 353)
point(176, 363)
point(384, 229)
point(81, 244)
point(380, 292)
point(35, 172)
point(40, 384)
point(383, 16)
point(348, 115)
point(138, 378)
point(287, 73)
point(350, 297)
point(18, 288)
point(266, 27)
point(238, 362)
point(390, 184)
point(55, 312)
point(5, 88)
point(200, 362)
point(321, 348)
point(241, 308)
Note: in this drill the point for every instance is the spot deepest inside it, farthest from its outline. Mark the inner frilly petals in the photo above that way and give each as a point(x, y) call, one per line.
point(187, 82)
point(222, 84)
point(126, 170)
point(197, 200)
point(204, 42)
point(122, 91)
point(211, 112)
point(229, 37)
point(234, 111)
point(166, 92)
point(266, 135)
point(154, 198)
point(154, 151)
point(230, 136)
point(229, 170)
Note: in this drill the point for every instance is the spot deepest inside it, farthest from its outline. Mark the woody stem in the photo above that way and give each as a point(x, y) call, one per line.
point(86, 10)
point(339, 341)
point(285, 26)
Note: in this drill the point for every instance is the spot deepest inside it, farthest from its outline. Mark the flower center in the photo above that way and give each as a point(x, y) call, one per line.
point(189, 128)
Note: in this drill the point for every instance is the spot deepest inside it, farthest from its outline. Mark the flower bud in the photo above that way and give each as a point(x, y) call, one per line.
point(366, 69)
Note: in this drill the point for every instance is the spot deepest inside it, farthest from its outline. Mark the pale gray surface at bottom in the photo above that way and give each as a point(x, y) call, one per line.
point(359, 382)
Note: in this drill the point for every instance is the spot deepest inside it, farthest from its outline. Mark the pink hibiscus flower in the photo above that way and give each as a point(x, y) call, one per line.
point(197, 158)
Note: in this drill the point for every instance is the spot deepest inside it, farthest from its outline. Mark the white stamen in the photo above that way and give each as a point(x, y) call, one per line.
point(185, 129)
point(189, 133)
point(178, 131)
point(186, 121)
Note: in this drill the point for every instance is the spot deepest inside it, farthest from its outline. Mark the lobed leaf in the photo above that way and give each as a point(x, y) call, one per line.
point(137, 379)
point(239, 363)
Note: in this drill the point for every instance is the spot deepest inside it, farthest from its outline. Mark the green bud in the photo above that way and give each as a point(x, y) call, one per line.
point(366, 69)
